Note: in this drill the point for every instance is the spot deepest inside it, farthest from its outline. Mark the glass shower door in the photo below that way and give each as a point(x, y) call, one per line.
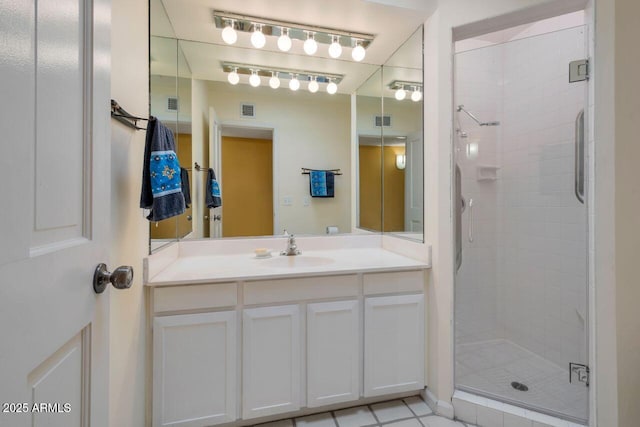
point(521, 286)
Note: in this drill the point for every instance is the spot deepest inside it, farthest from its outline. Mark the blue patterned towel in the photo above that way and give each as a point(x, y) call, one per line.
point(213, 196)
point(321, 183)
point(161, 180)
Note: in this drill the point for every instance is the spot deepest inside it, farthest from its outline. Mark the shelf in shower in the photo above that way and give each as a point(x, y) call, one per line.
point(487, 172)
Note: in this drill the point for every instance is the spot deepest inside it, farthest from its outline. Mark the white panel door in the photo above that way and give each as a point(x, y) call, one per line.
point(270, 361)
point(393, 344)
point(333, 353)
point(54, 220)
point(413, 184)
point(215, 162)
point(194, 369)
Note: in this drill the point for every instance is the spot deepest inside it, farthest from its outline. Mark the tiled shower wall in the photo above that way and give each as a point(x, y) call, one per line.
point(524, 276)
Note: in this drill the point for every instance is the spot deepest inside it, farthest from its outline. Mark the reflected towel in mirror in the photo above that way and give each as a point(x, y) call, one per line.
point(213, 196)
point(321, 183)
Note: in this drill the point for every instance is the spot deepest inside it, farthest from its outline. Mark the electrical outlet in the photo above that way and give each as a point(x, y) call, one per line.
point(287, 201)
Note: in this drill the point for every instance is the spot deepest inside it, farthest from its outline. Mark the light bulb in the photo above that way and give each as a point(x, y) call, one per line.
point(358, 53)
point(294, 83)
point(335, 50)
point(313, 85)
point(258, 39)
point(332, 88)
point(274, 81)
point(401, 94)
point(254, 80)
point(229, 35)
point(310, 45)
point(284, 41)
point(233, 77)
point(416, 95)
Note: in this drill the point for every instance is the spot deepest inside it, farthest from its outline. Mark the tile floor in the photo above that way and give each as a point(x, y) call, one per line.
point(408, 412)
point(491, 366)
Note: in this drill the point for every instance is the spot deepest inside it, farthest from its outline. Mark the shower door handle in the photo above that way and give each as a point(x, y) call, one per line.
point(470, 220)
point(458, 207)
point(579, 157)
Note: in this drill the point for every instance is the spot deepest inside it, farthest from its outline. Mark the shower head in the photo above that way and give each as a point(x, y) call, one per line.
point(461, 108)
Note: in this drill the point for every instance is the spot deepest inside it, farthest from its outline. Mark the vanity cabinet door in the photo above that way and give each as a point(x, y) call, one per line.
point(393, 344)
point(194, 369)
point(333, 356)
point(270, 361)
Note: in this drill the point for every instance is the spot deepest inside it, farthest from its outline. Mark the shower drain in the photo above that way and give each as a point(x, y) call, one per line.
point(519, 386)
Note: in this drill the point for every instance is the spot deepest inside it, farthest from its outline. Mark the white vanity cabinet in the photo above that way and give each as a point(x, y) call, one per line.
point(194, 369)
point(258, 347)
point(393, 344)
point(333, 352)
point(270, 360)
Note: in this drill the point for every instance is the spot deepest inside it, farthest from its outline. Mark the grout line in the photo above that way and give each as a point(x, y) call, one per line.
point(335, 419)
point(374, 414)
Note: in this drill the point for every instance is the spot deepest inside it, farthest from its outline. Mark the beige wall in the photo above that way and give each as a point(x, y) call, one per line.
point(627, 209)
point(310, 131)
point(129, 86)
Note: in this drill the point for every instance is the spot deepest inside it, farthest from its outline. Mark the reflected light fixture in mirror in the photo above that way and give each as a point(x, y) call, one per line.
point(274, 81)
point(335, 49)
point(254, 80)
point(401, 94)
point(401, 161)
point(233, 77)
point(313, 85)
point(258, 40)
point(416, 95)
point(229, 34)
point(284, 41)
point(358, 53)
point(332, 88)
point(310, 45)
point(294, 83)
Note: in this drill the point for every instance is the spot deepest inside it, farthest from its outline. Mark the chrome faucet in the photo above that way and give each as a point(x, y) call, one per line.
point(292, 248)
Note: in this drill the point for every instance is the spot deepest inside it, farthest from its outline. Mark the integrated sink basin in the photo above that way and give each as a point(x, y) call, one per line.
point(296, 261)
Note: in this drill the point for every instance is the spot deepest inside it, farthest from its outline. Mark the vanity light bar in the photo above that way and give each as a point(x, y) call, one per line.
point(285, 73)
point(272, 27)
point(408, 86)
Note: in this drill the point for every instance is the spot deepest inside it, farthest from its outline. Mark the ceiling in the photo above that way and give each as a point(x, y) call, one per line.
point(191, 21)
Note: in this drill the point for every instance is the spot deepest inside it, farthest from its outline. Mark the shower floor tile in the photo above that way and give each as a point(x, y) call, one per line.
point(491, 366)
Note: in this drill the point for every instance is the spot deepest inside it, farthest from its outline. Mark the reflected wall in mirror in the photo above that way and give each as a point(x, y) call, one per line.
point(258, 139)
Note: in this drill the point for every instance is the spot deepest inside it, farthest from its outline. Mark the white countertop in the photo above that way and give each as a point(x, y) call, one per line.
point(224, 268)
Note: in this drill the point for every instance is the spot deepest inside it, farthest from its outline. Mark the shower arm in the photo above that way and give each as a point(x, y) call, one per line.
point(461, 108)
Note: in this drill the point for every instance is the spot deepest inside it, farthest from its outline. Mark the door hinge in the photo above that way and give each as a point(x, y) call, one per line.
point(580, 372)
point(578, 70)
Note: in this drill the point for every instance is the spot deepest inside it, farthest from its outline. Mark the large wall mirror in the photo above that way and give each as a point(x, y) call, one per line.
point(258, 140)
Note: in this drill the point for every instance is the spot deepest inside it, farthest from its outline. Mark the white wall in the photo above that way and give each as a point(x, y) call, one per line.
point(129, 86)
point(310, 131)
point(199, 140)
point(163, 87)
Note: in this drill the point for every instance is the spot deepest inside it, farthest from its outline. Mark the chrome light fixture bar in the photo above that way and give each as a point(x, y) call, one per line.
point(286, 73)
point(272, 27)
point(402, 87)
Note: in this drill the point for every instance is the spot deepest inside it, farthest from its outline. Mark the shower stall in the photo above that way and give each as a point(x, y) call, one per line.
point(521, 320)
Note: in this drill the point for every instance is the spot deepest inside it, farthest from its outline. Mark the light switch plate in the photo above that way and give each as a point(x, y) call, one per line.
point(287, 201)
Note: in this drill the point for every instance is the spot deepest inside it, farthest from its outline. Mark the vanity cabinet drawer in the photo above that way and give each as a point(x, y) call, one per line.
point(196, 297)
point(303, 288)
point(394, 282)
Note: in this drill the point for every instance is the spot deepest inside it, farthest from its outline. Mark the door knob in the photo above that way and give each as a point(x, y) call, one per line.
point(121, 278)
point(206, 217)
point(189, 218)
